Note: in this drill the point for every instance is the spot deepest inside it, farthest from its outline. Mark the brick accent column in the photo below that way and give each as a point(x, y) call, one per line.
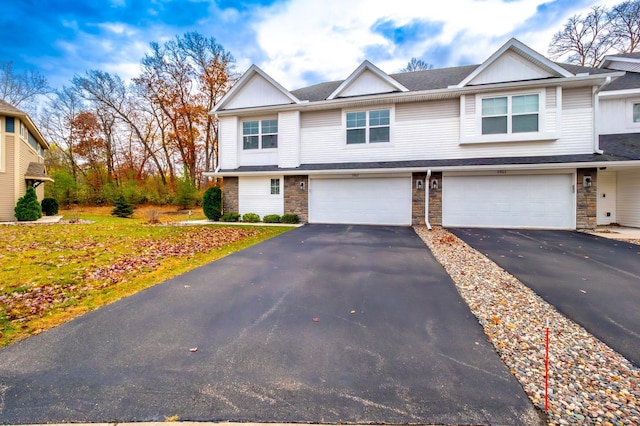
point(435, 199)
point(296, 200)
point(417, 199)
point(230, 195)
point(586, 199)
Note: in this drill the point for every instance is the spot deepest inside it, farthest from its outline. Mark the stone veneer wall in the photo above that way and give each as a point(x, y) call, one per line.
point(586, 200)
point(230, 195)
point(417, 199)
point(418, 196)
point(296, 200)
point(435, 200)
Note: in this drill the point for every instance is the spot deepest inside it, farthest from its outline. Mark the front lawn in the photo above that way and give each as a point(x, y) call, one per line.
point(51, 273)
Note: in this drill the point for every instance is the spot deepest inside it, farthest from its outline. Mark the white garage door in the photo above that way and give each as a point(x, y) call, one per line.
point(514, 201)
point(371, 201)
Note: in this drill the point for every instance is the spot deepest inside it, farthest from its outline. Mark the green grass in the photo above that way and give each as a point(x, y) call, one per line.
point(52, 273)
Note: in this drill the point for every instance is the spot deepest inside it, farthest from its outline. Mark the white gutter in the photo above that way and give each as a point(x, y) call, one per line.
point(426, 199)
point(596, 114)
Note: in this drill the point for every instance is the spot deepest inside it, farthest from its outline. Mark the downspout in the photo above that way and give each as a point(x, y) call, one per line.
point(596, 113)
point(426, 199)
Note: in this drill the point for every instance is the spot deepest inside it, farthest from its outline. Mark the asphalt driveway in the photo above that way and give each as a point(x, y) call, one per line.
point(326, 323)
point(594, 281)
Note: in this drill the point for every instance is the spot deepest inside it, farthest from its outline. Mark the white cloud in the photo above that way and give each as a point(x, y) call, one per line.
point(332, 37)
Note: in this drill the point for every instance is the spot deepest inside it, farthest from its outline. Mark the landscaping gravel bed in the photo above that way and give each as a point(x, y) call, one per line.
point(589, 383)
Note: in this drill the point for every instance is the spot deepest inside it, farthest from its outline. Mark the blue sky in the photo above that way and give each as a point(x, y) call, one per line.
point(297, 42)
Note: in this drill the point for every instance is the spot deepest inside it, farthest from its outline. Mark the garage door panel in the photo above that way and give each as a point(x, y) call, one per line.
point(360, 201)
point(518, 201)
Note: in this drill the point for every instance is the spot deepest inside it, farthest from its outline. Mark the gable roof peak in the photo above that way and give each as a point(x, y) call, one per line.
point(364, 67)
point(521, 49)
point(246, 78)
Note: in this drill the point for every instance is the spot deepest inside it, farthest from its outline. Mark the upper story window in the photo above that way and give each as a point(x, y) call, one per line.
point(368, 126)
point(10, 124)
point(636, 112)
point(510, 114)
point(260, 134)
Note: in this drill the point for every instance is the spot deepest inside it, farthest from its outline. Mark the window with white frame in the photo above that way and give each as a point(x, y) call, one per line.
point(510, 114)
point(260, 134)
point(368, 126)
point(275, 186)
point(636, 112)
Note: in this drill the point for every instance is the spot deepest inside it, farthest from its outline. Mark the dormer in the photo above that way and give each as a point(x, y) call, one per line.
point(622, 62)
point(513, 62)
point(367, 79)
point(255, 89)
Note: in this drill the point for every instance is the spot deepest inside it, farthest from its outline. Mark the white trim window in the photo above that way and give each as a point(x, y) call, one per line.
point(275, 186)
point(260, 134)
point(364, 127)
point(636, 112)
point(511, 114)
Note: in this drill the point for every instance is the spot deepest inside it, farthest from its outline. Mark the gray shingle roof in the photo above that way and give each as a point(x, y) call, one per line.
point(7, 108)
point(634, 55)
point(37, 171)
point(432, 79)
point(631, 80)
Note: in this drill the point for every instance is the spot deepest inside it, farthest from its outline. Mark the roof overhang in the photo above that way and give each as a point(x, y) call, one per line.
point(427, 95)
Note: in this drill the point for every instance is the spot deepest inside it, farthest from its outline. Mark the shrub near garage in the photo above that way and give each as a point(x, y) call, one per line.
point(212, 203)
point(230, 217)
point(271, 218)
point(290, 218)
point(251, 217)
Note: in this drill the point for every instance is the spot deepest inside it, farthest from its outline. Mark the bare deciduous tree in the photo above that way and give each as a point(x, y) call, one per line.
point(21, 88)
point(584, 40)
point(625, 21)
point(416, 64)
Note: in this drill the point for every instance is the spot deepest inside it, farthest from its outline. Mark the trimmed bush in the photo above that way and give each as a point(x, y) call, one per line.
point(271, 218)
point(28, 208)
point(230, 217)
point(50, 206)
point(290, 218)
point(251, 217)
point(212, 203)
point(122, 208)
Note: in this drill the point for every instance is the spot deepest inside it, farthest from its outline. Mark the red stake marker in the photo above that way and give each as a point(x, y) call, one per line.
point(546, 371)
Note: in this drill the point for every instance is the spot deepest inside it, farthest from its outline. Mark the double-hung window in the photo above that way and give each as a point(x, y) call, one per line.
point(368, 126)
point(260, 134)
point(510, 114)
point(636, 112)
point(275, 186)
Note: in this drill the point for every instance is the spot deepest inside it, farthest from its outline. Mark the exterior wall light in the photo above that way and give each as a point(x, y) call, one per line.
point(434, 184)
point(419, 184)
point(301, 185)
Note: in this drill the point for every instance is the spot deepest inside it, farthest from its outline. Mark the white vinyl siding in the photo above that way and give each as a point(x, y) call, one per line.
point(617, 115)
point(374, 200)
point(254, 196)
point(628, 198)
point(228, 146)
point(257, 92)
point(509, 201)
point(606, 197)
point(289, 139)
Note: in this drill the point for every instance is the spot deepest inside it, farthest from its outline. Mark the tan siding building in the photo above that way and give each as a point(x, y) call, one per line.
point(22, 148)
